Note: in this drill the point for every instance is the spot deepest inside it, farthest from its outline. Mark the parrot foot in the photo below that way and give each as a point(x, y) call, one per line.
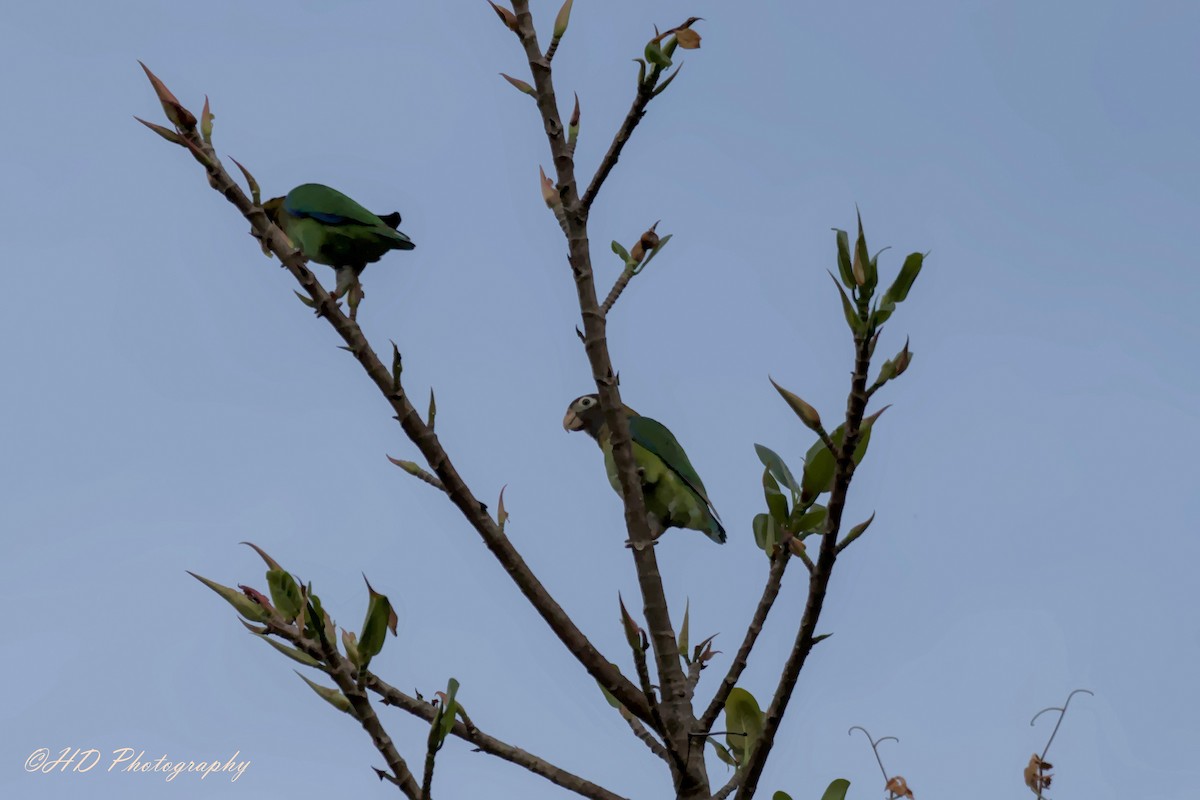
point(629, 544)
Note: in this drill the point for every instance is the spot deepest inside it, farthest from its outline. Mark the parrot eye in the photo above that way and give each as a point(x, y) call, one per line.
point(585, 402)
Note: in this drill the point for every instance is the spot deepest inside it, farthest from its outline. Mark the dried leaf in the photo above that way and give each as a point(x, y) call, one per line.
point(899, 787)
point(688, 39)
point(1037, 778)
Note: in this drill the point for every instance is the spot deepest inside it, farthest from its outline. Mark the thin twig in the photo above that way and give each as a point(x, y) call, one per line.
point(343, 674)
point(734, 781)
point(645, 736)
point(875, 750)
point(1062, 713)
point(618, 287)
point(645, 93)
point(741, 658)
point(1043, 780)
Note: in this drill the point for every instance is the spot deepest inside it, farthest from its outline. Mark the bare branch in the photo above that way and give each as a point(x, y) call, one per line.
point(647, 738)
point(645, 93)
point(770, 592)
point(618, 287)
point(489, 744)
point(343, 674)
point(735, 780)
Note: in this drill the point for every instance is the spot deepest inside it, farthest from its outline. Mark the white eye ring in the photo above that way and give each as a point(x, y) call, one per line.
point(585, 402)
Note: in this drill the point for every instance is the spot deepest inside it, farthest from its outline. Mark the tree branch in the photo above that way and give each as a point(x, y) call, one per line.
point(735, 780)
point(343, 674)
point(770, 592)
point(856, 404)
point(424, 438)
point(647, 738)
point(618, 287)
point(645, 93)
point(678, 716)
point(489, 744)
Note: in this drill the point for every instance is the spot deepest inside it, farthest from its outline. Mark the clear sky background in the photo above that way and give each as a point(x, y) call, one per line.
point(167, 397)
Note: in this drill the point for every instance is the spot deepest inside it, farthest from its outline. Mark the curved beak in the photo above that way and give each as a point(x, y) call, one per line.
point(572, 422)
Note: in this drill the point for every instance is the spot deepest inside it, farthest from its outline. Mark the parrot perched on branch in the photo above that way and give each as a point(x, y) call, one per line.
point(330, 228)
point(675, 495)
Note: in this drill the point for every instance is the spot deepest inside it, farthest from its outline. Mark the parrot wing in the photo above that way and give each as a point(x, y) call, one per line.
point(654, 436)
point(329, 206)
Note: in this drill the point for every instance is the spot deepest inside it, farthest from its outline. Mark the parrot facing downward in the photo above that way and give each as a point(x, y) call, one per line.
point(330, 228)
point(675, 495)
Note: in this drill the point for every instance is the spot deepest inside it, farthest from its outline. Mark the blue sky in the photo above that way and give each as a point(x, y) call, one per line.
point(168, 397)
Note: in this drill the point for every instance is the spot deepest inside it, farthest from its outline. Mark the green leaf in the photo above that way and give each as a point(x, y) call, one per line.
point(743, 721)
point(781, 796)
point(290, 652)
point(285, 593)
point(723, 753)
point(766, 532)
point(819, 468)
point(316, 620)
point(900, 287)
point(379, 620)
point(852, 318)
point(837, 790)
point(653, 251)
point(242, 604)
point(809, 521)
point(843, 258)
point(432, 415)
point(776, 502)
point(270, 562)
point(620, 250)
point(655, 55)
point(331, 696)
point(443, 721)
point(868, 265)
point(884, 312)
point(807, 414)
point(350, 645)
point(820, 464)
point(779, 470)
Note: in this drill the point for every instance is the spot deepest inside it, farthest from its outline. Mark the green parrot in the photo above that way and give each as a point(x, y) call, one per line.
point(675, 495)
point(330, 228)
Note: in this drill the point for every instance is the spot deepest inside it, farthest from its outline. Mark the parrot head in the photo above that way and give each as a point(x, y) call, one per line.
point(584, 415)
